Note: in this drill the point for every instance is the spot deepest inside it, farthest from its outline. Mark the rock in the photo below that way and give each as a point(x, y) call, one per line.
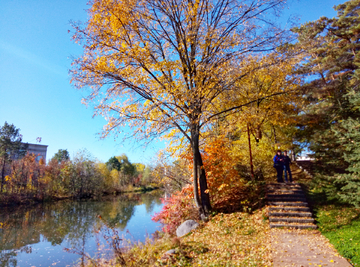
point(171, 251)
point(186, 228)
point(168, 255)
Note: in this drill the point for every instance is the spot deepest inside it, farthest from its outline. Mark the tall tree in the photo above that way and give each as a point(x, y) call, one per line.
point(331, 47)
point(347, 185)
point(127, 167)
point(331, 120)
point(277, 80)
point(250, 133)
point(11, 147)
point(113, 163)
point(158, 66)
point(61, 155)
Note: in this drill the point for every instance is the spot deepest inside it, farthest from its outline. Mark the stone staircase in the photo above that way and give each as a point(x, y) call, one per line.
point(288, 207)
point(306, 166)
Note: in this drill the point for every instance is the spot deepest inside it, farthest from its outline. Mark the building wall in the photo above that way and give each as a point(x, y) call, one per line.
point(39, 150)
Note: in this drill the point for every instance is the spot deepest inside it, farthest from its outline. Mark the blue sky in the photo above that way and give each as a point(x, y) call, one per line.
point(35, 91)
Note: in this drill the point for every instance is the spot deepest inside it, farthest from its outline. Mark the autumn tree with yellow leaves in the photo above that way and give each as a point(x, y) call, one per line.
point(266, 123)
point(161, 67)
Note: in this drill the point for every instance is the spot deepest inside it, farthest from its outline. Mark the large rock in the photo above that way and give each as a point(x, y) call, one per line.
point(171, 252)
point(186, 228)
point(169, 256)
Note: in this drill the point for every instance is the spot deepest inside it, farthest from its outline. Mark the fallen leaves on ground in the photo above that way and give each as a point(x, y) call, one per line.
point(236, 239)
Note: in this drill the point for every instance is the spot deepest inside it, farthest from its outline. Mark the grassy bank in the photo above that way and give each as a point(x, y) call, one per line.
point(236, 239)
point(341, 225)
point(131, 189)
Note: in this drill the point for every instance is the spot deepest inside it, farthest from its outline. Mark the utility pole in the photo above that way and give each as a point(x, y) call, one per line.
point(251, 162)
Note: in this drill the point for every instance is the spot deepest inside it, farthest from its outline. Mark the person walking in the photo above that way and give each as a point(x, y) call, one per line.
point(287, 161)
point(279, 166)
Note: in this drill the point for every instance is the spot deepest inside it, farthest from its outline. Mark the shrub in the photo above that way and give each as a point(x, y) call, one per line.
point(177, 208)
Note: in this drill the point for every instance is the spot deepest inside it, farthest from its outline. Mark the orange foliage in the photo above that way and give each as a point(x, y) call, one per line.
point(177, 208)
point(26, 175)
point(226, 186)
point(225, 183)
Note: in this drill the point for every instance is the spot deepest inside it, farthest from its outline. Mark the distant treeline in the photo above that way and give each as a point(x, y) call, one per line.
point(82, 176)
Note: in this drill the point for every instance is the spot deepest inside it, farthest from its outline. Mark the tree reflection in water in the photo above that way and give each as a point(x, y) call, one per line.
point(70, 222)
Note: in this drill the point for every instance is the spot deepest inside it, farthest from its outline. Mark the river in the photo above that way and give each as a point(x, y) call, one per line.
point(39, 235)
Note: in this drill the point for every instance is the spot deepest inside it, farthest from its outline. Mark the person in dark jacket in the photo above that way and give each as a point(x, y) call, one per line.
point(279, 166)
point(287, 162)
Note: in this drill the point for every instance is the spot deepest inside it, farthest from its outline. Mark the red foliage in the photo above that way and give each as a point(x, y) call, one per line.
point(25, 175)
point(177, 208)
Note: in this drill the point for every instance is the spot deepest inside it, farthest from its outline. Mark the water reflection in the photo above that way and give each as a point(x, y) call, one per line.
point(37, 235)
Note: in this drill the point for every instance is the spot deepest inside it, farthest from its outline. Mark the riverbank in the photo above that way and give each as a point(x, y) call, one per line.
point(236, 239)
point(242, 239)
point(16, 199)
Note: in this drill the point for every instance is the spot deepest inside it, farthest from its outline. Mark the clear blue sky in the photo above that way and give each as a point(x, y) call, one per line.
point(35, 91)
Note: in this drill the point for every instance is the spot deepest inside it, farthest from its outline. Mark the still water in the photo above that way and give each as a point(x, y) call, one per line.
point(39, 235)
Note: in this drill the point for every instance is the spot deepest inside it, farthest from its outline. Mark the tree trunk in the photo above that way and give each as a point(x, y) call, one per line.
point(196, 191)
point(2, 176)
point(275, 139)
point(199, 172)
point(205, 197)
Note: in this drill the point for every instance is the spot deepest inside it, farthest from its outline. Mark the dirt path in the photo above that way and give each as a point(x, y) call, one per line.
point(303, 248)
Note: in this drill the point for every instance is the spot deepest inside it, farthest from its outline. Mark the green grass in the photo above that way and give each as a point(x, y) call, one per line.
point(341, 225)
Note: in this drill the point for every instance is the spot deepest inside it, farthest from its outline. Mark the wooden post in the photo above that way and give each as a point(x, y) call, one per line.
point(251, 162)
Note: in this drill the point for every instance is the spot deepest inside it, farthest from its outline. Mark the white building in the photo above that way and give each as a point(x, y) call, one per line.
point(303, 158)
point(38, 150)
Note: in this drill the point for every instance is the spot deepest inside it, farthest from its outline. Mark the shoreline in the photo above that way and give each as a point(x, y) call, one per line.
point(16, 200)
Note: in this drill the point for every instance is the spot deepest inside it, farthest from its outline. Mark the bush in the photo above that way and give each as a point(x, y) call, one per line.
point(228, 190)
point(177, 208)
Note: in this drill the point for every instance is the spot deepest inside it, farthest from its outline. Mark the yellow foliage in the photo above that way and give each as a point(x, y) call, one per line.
point(161, 68)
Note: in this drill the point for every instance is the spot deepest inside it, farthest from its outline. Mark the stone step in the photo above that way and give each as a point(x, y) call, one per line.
point(284, 187)
point(291, 220)
point(277, 184)
point(279, 191)
point(287, 199)
point(280, 199)
point(278, 203)
point(288, 209)
point(286, 195)
point(284, 190)
point(284, 184)
point(291, 214)
point(296, 226)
